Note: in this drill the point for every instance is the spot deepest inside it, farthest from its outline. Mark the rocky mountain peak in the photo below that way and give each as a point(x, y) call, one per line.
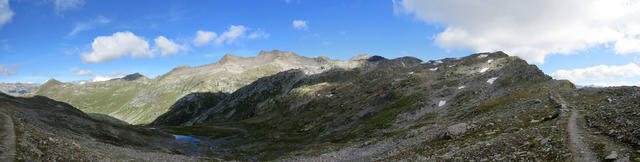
point(52, 81)
point(361, 57)
point(275, 52)
point(132, 77)
point(228, 58)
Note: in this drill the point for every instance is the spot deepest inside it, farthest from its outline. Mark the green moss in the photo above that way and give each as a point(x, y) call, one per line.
point(499, 101)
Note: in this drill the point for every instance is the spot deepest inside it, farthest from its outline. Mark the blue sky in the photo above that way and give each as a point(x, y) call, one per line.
point(60, 39)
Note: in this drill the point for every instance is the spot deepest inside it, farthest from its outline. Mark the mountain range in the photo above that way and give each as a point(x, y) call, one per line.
point(286, 107)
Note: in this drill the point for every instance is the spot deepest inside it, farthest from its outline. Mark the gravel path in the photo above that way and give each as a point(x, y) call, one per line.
point(8, 147)
point(580, 150)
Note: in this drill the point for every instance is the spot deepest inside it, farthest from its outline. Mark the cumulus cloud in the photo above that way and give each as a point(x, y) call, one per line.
point(107, 48)
point(300, 25)
point(204, 37)
point(531, 29)
point(601, 75)
point(99, 78)
point(8, 71)
point(77, 72)
point(5, 12)
point(232, 34)
point(63, 5)
point(599, 72)
point(84, 26)
point(258, 34)
point(612, 84)
point(167, 47)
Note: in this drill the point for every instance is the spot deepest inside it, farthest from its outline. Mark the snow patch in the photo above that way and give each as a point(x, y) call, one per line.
point(434, 69)
point(482, 56)
point(484, 70)
point(438, 62)
point(490, 60)
point(441, 103)
point(490, 81)
point(410, 73)
point(462, 87)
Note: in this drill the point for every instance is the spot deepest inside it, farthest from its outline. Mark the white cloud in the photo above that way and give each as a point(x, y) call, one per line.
point(204, 37)
point(611, 84)
point(63, 5)
point(600, 72)
point(258, 34)
point(234, 32)
point(601, 75)
point(84, 26)
point(99, 78)
point(300, 24)
point(76, 71)
point(5, 12)
point(107, 48)
point(8, 71)
point(531, 29)
point(167, 47)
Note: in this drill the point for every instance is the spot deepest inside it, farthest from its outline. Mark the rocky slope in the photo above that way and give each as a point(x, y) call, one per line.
point(139, 100)
point(486, 106)
point(41, 129)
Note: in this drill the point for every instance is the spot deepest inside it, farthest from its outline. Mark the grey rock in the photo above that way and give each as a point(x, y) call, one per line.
point(612, 156)
point(457, 130)
point(509, 130)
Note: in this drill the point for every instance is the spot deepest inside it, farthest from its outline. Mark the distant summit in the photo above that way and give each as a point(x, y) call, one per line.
point(132, 77)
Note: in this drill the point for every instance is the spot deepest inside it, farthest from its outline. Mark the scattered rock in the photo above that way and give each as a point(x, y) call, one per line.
point(612, 156)
point(509, 130)
point(456, 130)
point(536, 101)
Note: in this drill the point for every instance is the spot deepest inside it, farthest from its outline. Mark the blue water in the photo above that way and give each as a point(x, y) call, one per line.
point(185, 138)
point(192, 142)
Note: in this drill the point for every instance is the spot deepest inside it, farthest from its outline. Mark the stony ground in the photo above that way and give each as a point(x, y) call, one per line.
point(7, 138)
point(40, 129)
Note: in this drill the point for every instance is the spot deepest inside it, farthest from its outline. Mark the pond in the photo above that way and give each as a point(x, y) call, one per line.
point(185, 138)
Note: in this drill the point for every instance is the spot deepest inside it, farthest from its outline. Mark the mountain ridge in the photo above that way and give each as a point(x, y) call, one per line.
point(478, 107)
point(140, 101)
